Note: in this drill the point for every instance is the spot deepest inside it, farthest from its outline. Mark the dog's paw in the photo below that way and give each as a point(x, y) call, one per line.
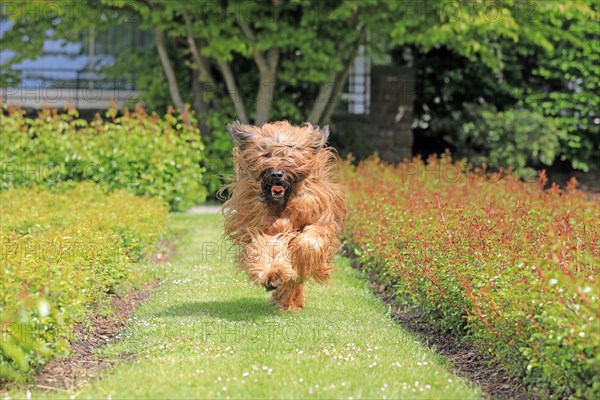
point(276, 301)
point(272, 279)
point(291, 308)
point(275, 277)
point(270, 286)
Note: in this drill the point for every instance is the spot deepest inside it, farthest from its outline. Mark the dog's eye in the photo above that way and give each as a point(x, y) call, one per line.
point(268, 155)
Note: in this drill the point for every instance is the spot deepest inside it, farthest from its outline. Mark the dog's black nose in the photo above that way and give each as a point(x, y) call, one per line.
point(277, 174)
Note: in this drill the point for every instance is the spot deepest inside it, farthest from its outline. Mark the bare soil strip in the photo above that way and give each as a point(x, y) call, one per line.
point(83, 364)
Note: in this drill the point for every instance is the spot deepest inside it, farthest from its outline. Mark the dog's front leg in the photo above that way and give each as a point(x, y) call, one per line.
point(311, 250)
point(267, 261)
point(289, 296)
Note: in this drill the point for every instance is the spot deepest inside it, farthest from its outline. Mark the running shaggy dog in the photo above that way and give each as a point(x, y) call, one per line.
point(286, 208)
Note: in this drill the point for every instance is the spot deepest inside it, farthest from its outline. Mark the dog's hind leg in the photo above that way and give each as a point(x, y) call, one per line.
point(289, 296)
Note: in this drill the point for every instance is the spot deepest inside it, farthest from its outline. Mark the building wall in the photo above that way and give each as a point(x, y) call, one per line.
point(387, 126)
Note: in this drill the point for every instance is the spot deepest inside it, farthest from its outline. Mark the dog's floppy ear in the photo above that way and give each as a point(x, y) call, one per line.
point(240, 133)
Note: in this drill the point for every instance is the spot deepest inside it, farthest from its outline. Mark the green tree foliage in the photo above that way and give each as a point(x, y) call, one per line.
point(258, 61)
point(267, 59)
point(565, 76)
point(254, 61)
point(536, 56)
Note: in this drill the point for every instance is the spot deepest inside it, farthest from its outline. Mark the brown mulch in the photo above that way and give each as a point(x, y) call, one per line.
point(83, 364)
point(165, 251)
point(465, 361)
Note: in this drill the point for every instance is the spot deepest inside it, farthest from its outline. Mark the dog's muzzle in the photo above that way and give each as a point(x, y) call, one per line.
point(275, 187)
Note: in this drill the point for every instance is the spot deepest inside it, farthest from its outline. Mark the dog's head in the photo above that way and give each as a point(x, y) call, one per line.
point(278, 155)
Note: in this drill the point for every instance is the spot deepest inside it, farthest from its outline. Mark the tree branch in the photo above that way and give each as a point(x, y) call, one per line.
point(201, 62)
point(336, 91)
point(203, 74)
point(330, 91)
point(168, 69)
point(267, 67)
point(199, 103)
point(273, 58)
point(259, 58)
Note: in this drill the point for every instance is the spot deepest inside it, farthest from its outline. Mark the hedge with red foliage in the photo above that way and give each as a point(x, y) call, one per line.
point(511, 266)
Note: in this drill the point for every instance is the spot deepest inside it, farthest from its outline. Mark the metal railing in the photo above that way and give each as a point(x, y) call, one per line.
point(83, 79)
point(59, 86)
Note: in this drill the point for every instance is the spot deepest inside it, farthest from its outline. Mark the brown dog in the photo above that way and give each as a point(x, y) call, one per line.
point(285, 210)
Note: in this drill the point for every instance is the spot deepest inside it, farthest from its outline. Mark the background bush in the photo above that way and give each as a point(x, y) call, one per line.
point(516, 138)
point(141, 153)
point(62, 251)
point(511, 266)
point(550, 68)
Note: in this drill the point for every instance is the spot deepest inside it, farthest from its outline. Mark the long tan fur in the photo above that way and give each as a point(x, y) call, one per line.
point(284, 246)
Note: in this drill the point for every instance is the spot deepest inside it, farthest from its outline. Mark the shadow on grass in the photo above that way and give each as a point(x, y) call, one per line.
point(241, 309)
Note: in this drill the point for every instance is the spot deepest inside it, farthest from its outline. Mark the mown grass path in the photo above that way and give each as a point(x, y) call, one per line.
point(207, 333)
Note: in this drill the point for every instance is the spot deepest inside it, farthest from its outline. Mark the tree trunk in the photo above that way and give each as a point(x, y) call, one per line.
point(336, 91)
point(168, 69)
point(328, 96)
point(199, 103)
point(233, 91)
point(201, 63)
point(330, 91)
point(267, 64)
point(264, 98)
point(321, 101)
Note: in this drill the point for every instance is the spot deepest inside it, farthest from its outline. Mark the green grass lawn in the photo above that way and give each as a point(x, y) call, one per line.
point(208, 333)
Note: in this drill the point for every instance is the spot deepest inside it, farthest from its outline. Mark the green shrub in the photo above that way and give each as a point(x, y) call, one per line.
point(218, 159)
point(510, 265)
point(62, 251)
point(142, 153)
point(516, 138)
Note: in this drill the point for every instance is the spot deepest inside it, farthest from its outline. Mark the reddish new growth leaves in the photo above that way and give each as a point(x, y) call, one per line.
point(511, 264)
